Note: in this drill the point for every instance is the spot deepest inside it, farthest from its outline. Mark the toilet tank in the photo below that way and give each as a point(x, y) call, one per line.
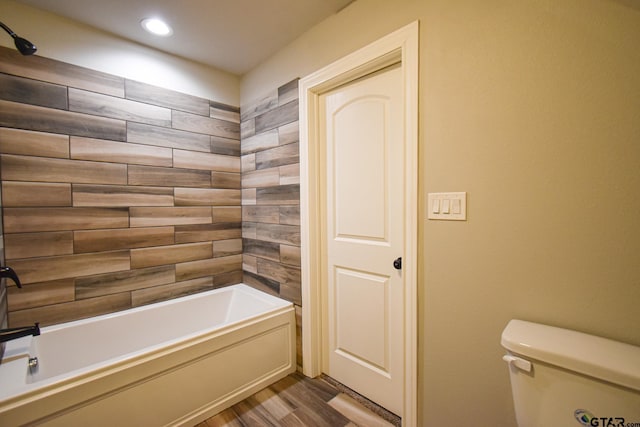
point(566, 378)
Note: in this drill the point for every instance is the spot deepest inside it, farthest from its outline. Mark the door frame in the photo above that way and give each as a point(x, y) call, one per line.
point(401, 47)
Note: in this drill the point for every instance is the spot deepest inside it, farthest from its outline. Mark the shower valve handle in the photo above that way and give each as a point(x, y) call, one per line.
point(9, 273)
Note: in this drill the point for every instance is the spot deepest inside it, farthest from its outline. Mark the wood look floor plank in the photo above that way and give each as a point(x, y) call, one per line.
point(297, 401)
point(270, 400)
point(311, 408)
point(356, 412)
point(309, 418)
point(254, 415)
point(292, 420)
point(226, 418)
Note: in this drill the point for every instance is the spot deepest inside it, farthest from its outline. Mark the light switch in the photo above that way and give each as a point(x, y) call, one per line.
point(447, 206)
point(455, 206)
point(435, 206)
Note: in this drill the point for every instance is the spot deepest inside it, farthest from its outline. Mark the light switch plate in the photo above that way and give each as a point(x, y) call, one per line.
point(447, 206)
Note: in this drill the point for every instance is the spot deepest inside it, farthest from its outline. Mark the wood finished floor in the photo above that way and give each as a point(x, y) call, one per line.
point(297, 401)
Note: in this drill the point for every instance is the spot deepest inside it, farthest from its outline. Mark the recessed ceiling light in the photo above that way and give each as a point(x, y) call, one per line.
point(156, 26)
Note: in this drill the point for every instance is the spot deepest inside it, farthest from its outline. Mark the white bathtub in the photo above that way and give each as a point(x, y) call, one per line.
point(176, 362)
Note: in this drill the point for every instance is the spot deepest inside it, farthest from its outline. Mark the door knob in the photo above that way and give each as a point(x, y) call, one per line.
point(397, 264)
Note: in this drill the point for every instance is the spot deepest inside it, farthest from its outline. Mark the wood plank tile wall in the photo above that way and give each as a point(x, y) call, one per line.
point(271, 196)
point(115, 193)
point(4, 318)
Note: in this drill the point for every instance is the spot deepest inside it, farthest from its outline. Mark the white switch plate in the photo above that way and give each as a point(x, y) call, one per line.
point(447, 206)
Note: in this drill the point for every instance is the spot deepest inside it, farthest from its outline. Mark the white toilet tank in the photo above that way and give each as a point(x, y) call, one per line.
point(564, 378)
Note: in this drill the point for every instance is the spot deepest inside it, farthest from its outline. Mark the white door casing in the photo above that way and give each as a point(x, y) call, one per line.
point(362, 324)
point(400, 47)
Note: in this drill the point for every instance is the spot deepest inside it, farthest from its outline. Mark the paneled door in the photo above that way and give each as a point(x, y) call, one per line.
point(363, 333)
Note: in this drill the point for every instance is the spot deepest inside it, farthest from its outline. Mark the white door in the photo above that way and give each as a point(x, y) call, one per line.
point(363, 334)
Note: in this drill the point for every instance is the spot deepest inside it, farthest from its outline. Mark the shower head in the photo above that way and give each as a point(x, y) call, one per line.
point(23, 45)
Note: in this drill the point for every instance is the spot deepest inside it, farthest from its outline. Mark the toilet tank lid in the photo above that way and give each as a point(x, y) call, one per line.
point(602, 358)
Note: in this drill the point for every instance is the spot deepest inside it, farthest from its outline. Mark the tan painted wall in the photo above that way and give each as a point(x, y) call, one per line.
point(68, 41)
point(533, 108)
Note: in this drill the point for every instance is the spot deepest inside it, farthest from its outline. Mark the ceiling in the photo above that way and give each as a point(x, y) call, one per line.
point(231, 35)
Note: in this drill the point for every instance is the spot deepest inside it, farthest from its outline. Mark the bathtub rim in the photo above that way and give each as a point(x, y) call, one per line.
point(100, 370)
point(271, 299)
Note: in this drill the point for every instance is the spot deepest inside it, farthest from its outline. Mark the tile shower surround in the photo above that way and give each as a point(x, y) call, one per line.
point(118, 194)
point(271, 196)
point(115, 193)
